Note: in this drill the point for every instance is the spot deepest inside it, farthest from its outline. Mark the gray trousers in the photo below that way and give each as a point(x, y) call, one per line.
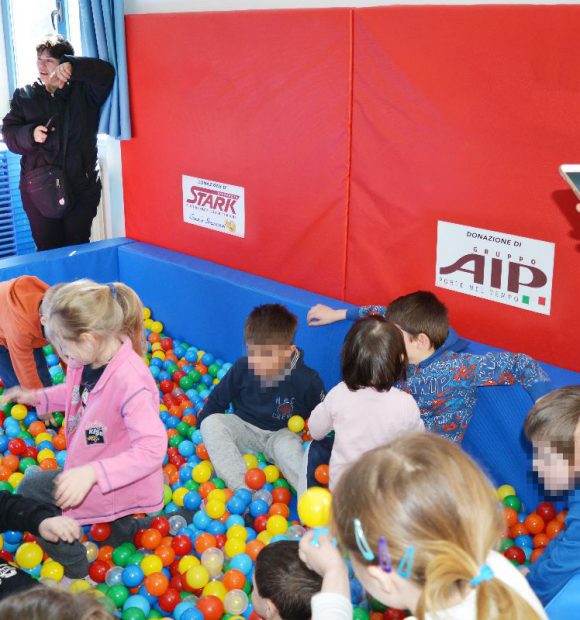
point(73, 556)
point(227, 437)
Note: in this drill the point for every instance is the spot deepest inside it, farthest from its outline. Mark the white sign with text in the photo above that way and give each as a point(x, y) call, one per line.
point(214, 205)
point(506, 268)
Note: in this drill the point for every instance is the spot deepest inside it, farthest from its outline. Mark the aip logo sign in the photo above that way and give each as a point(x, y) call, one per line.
point(505, 268)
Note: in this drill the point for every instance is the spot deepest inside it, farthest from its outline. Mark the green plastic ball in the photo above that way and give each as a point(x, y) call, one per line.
point(505, 543)
point(511, 501)
point(133, 613)
point(118, 594)
point(121, 555)
point(360, 614)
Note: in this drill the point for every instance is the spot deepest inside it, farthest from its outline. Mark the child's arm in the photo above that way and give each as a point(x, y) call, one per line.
point(45, 401)
point(145, 455)
point(333, 601)
point(323, 315)
point(21, 513)
point(314, 396)
point(320, 422)
point(501, 368)
point(24, 364)
point(222, 395)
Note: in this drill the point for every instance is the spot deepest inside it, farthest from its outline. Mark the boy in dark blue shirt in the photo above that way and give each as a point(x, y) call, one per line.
point(266, 388)
point(553, 427)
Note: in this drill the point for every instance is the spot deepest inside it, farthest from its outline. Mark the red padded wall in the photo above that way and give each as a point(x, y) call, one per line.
point(464, 114)
point(354, 132)
point(257, 99)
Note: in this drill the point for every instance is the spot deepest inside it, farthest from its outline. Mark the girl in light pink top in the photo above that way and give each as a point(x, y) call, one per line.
point(365, 410)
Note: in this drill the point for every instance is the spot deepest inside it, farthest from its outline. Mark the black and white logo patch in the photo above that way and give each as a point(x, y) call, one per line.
point(95, 434)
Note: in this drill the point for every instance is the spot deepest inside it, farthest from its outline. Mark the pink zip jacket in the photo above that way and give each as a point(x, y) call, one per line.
point(119, 433)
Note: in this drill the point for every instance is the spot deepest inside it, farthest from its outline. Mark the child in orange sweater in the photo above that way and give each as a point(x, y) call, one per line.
point(21, 335)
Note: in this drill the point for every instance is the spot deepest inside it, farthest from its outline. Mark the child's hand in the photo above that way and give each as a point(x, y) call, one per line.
point(322, 558)
point(323, 315)
point(54, 529)
point(19, 395)
point(72, 486)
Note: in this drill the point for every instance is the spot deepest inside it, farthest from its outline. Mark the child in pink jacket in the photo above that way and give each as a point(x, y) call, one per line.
point(115, 438)
point(365, 410)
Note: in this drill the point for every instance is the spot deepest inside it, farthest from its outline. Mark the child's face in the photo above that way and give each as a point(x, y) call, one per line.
point(268, 361)
point(263, 606)
point(555, 470)
point(418, 347)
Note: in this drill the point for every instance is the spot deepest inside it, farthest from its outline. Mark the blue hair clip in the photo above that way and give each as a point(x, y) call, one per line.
point(113, 289)
point(361, 541)
point(406, 563)
point(384, 556)
point(485, 574)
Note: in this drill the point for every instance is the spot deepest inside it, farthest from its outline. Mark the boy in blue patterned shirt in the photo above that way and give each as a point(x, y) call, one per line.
point(441, 377)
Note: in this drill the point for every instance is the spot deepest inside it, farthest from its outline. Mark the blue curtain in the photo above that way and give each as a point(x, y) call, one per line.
point(103, 36)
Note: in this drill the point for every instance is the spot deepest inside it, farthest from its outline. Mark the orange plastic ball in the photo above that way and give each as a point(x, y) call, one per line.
point(536, 553)
point(11, 461)
point(518, 529)
point(151, 539)
point(5, 472)
point(59, 442)
point(205, 541)
point(166, 553)
point(47, 464)
point(511, 516)
point(534, 523)
point(541, 540)
point(255, 478)
point(322, 474)
point(37, 427)
point(205, 488)
point(562, 516)
point(105, 553)
point(279, 509)
point(234, 579)
point(553, 528)
point(156, 584)
point(201, 452)
point(253, 548)
point(281, 495)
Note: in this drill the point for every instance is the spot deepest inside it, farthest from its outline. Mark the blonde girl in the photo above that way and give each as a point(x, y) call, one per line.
point(420, 523)
point(115, 439)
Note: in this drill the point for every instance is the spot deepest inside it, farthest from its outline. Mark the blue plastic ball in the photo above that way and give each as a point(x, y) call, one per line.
point(132, 576)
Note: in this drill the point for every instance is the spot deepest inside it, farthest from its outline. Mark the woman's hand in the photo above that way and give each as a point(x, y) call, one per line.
point(323, 315)
point(40, 134)
point(54, 529)
point(19, 395)
point(61, 75)
point(72, 486)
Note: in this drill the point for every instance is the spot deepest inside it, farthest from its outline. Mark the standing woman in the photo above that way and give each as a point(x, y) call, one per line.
point(53, 124)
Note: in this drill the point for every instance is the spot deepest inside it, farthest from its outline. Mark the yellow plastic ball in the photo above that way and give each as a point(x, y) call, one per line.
point(52, 570)
point(162, 407)
point(237, 531)
point(215, 588)
point(179, 494)
point(264, 537)
point(79, 586)
point(15, 479)
point(151, 564)
point(156, 346)
point(202, 472)
point(504, 491)
point(147, 323)
point(156, 327)
point(250, 460)
point(19, 412)
point(215, 509)
point(1, 541)
point(197, 577)
point(29, 555)
point(45, 454)
point(159, 354)
point(146, 313)
point(187, 562)
point(217, 494)
point(272, 473)
point(234, 546)
point(296, 423)
point(43, 437)
point(314, 507)
point(200, 354)
point(276, 525)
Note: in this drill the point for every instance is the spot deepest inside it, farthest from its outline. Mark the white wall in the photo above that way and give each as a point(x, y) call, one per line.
point(176, 6)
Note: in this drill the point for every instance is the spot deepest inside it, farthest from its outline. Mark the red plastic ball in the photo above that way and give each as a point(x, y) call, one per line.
point(281, 495)
point(31, 452)
point(260, 522)
point(175, 583)
point(255, 478)
point(138, 537)
point(322, 474)
point(161, 524)
point(211, 607)
point(166, 386)
point(166, 343)
point(100, 532)
point(394, 614)
point(181, 544)
point(220, 540)
point(17, 446)
point(98, 571)
point(169, 601)
point(515, 553)
point(547, 511)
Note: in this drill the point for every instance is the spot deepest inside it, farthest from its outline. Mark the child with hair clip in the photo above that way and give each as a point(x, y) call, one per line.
point(115, 439)
point(420, 523)
point(365, 410)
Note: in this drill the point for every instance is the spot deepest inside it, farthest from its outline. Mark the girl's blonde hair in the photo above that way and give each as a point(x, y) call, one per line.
point(52, 604)
point(85, 306)
point(422, 491)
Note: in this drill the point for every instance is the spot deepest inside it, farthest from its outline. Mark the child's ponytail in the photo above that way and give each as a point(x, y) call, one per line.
point(132, 315)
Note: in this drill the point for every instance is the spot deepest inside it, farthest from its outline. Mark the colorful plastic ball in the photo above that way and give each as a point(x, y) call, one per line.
point(296, 423)
point(139, 602)
point(213, 560)
point(19, 412)
point(114, 576)
point(151, 564)
point(211, 607)
point(29, 555)
point(264, 495)
point(52, 570)
point(314, 507)
point(243, 563)
point(236, 602)
point(215, 588)
point(277, 525)
point(250, 460)
point(215, 509)
point(504, 491)
point(511, 501)
point(322, 474)
point(202, 472)
point(80, 585)
point(516, 554)
point(132, 576)
point(99, 532)
point(255, 478)
point(258, 507)
point(197, 577)
point(98, 571)
point(156, 584)
point(272, 473)
point(234, 546)
point(181, 544)
point(547, 511)
point(118, 594)
point(524, 540)
point(534, 523)
point(553, 528)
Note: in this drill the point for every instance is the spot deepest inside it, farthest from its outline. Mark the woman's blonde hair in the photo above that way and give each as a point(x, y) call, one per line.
point(422, 491)
point(85, 306)
point(52, 604)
